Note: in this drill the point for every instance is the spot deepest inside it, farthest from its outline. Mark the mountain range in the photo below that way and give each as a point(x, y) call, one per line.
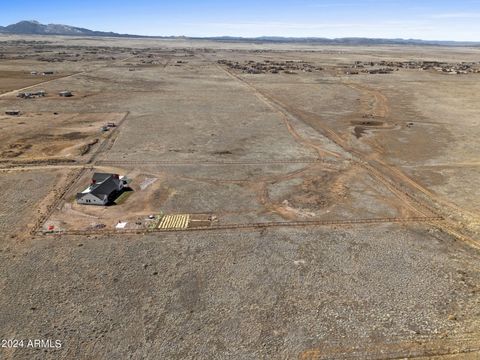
point(33, 27)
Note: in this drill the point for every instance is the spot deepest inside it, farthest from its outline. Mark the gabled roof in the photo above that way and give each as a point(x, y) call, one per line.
point(106, 187)
point(103, 185)
point(99, 177)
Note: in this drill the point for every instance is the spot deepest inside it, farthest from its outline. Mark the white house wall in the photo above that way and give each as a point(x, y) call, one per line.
point(89, 199)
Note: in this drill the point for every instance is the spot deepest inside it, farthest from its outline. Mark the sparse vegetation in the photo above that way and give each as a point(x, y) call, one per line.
point(319, 215)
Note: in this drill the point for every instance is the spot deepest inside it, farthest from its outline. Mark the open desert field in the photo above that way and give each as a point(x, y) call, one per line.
point(284, 201)
point(13, 80)
point(53, 136)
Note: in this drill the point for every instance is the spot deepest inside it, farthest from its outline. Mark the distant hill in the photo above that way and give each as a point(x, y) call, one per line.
point(342, 41)
point(33, 27)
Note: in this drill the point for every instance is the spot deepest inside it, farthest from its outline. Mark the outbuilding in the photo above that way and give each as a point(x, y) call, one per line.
point(12, 112)
point(31, 95)
point(65, 93)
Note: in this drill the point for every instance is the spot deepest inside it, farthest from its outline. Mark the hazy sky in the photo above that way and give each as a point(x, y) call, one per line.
point(430, 20)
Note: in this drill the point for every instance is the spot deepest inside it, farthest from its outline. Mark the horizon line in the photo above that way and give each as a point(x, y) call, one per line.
point(240, 37)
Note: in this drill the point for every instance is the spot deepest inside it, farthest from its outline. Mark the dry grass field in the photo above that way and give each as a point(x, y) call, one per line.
point(22, 199)
point(14, 80)
point(333, 204)
point(42, 136)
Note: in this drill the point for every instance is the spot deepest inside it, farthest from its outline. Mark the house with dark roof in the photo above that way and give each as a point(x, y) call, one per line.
point(103, 189)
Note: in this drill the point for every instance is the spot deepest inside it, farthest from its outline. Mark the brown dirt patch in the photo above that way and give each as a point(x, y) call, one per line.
point(40, 136)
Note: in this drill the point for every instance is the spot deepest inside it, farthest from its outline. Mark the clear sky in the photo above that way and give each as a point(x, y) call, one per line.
point(429, 20)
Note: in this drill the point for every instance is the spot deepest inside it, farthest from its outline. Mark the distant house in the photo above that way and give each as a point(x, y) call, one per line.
point(31, 95)
point(65, 93)
point(12, 112)
point(24, 95)
point(103, 189)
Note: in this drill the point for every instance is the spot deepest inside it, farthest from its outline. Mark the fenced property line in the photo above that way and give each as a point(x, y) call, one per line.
point(107, 143)
point(248, 226)
point(68, 185)
point(190, 162)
